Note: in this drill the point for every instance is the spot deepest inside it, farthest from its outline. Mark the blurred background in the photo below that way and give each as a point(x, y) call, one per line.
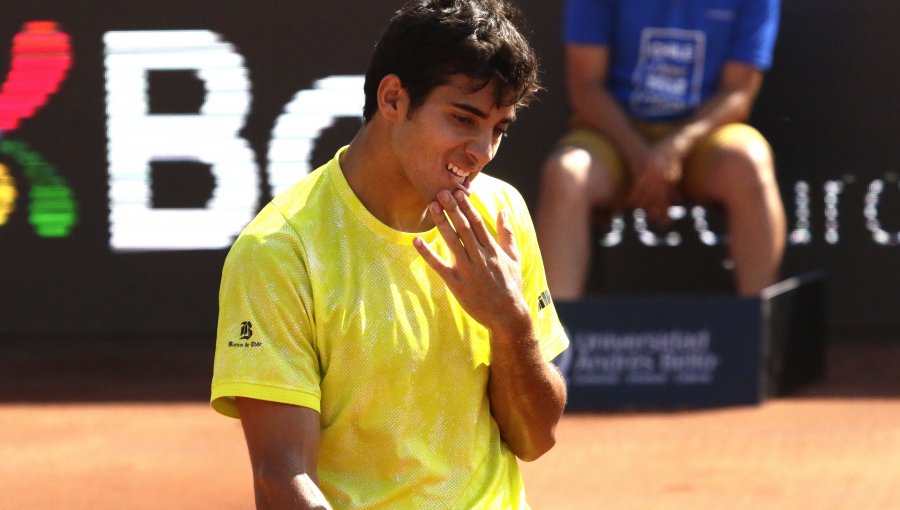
point(137, 140)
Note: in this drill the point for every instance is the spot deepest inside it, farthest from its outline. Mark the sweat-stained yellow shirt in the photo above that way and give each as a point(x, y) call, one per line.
point(324, 306)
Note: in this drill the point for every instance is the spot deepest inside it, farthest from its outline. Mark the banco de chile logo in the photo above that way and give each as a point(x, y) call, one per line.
point(246, 330)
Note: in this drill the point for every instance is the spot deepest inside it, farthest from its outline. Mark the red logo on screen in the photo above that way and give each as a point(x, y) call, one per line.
point(41, 57)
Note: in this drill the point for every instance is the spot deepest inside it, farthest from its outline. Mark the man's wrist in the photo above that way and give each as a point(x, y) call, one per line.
point(513, 328)
point(683, 140)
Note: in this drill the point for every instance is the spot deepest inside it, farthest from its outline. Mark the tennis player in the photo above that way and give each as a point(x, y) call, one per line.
point(385, 331)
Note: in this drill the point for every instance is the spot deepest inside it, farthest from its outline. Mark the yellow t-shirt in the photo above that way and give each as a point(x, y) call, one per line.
point(324, 306)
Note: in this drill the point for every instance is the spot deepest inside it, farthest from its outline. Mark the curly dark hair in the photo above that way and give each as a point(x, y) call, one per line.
point(429, 40)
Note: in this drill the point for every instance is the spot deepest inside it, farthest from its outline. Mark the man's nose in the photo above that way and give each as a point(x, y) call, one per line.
point(481, 148)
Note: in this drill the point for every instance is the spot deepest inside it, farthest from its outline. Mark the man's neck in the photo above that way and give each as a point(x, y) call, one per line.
point(375, 177)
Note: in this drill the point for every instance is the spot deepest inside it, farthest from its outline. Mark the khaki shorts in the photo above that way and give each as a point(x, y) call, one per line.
point(600, 146)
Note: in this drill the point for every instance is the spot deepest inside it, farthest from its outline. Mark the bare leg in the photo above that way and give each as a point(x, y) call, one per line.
point(573, 184)
point(742, 179)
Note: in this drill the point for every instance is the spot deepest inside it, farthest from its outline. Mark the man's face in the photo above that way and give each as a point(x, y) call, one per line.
point(449, 139)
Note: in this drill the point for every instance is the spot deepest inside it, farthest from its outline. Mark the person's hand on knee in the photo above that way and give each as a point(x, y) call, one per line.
point(656, 179)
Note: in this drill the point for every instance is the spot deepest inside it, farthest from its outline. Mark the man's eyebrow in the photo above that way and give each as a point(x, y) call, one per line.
point(480, 114)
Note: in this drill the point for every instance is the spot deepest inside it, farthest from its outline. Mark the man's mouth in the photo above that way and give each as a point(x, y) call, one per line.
point(455, 170)
point(463, 177)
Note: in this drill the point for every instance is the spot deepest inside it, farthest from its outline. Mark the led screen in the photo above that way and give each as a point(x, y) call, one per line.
point(137, 139)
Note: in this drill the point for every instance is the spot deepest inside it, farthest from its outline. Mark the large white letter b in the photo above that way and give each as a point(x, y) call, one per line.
point(137, 138)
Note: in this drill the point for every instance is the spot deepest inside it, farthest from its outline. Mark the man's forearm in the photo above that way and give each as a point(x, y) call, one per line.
point(724, 107)
point(527, 394)
point(739, 85)
point(598, 109)
point(300, 493)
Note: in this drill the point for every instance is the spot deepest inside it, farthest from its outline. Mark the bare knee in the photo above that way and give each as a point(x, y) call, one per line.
point(741, 173)
point(573, 175)
point(565, 174)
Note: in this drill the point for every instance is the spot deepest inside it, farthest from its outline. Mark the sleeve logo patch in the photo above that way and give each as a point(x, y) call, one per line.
point(544, 300)
point(246, 330)
point(246, 333)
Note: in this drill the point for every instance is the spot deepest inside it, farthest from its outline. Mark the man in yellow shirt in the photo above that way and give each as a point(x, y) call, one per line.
point(385, 330)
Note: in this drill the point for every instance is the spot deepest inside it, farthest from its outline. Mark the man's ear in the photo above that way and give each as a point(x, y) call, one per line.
point(392, 97)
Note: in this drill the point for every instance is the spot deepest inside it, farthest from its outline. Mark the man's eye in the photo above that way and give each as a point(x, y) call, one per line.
point(462, 119)
point(501, 132)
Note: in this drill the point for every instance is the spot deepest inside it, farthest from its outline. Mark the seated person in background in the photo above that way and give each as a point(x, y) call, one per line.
point(658, 91)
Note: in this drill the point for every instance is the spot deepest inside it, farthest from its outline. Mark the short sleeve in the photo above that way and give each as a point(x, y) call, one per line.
point(757, 30)
point(587, 22)
point(265, 345)
point(548, 327)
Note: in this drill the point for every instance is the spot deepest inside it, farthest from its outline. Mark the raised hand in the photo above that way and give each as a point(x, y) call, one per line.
point(484, 274)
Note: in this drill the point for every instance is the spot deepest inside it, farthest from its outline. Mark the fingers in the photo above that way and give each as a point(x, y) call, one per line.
point(465, 232)
point(474, 219)
point(653, 197)
point(431, 257)
point(469, 226)
point(505, 235)
point(645, 194)
point(456, 243)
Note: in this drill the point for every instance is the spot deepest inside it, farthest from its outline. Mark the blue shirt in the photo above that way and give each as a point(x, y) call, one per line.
point(666, 56)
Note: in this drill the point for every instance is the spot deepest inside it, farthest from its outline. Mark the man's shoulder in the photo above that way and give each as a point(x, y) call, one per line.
point(284, 217)
point(492, 194)
point(493, 189)
point(306, 191)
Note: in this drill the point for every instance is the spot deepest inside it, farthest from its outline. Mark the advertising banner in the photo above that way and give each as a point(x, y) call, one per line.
point(138, 138)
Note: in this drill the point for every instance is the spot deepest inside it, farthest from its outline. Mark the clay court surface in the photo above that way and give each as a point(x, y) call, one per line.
point(72, 439)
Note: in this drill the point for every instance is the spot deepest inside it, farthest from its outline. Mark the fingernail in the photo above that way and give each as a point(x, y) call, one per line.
point(444, 196)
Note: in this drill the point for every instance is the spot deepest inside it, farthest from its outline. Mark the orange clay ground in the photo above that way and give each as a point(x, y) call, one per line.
point(832, 445)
